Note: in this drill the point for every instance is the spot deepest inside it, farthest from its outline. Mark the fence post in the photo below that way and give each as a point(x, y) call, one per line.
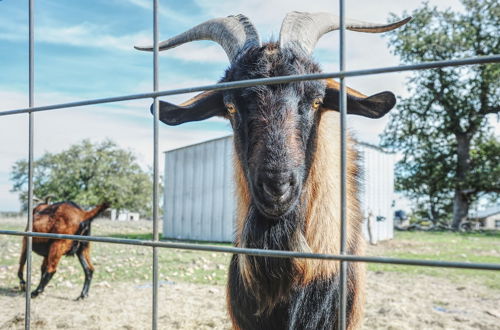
point(343, 172)
point(155, 166)
point(29, 227)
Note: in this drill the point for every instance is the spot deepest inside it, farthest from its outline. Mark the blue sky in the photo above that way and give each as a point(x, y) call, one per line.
point(84, 49)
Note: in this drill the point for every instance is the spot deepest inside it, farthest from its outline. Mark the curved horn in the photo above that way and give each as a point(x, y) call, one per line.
point(48, 198)
point(233, 33)
point(303, 30)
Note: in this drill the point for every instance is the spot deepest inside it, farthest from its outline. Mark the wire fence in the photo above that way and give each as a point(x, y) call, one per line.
point(155, 243)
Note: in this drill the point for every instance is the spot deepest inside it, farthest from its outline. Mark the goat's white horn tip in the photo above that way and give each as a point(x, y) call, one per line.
point(143, 48)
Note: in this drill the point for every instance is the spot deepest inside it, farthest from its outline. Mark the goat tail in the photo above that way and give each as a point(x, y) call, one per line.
point(92, 214)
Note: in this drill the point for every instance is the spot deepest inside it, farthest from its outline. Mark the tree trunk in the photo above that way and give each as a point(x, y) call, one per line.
point(433, 214)
point(460, 209)
point(461, 201)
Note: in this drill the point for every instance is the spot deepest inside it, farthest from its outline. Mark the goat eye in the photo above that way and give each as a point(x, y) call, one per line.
point(316, 104)
point(231, 108)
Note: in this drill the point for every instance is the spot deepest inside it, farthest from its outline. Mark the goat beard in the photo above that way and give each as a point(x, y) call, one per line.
point(270, 279)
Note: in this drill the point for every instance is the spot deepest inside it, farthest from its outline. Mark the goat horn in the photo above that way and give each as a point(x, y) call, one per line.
point(303, 30)
point(233, 33)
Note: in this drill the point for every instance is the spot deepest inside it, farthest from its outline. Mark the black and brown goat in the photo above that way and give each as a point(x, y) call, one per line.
point(287, 164)
point(60, 218)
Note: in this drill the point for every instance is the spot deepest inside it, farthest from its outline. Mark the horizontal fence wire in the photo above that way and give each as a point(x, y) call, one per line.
point(259, 252)
point(262, 81)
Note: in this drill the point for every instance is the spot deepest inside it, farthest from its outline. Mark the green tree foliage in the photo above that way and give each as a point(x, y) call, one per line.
point(451, 157)
point(88, 174)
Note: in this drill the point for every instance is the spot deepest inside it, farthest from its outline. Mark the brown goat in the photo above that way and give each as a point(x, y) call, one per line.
point(60, 218)
point(42, 203)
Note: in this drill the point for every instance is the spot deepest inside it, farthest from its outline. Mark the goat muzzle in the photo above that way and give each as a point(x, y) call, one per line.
point(275, 193)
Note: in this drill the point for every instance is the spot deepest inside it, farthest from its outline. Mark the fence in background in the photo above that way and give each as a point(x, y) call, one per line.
point(155, 243)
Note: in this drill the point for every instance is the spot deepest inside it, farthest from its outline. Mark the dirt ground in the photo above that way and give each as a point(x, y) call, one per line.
point(392, 303)
point(121, 294)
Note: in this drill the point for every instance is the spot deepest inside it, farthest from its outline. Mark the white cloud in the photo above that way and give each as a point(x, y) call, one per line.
point(56, 130)
point(8, 201)
point(87, 35)
point(168, 83)
point(90, 35)
point(165, 12)
point(267, 15)
point(80, 35)
point(198, 52)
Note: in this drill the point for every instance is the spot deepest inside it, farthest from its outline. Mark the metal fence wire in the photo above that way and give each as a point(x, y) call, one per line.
point(155, 243)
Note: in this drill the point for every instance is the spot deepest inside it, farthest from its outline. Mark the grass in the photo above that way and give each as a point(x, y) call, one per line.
point(465, 247)
point(124, 263)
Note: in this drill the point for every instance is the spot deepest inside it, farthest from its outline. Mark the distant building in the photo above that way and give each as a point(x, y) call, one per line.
point(123, 215)
point(488, 218)
point(199, 200)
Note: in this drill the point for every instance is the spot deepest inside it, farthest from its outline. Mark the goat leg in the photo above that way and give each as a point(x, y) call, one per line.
point(22, 261)
point(49, 265)
point(88, 269)
point(46, 277)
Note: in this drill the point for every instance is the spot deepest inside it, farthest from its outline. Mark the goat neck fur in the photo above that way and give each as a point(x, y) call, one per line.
point(274, 283)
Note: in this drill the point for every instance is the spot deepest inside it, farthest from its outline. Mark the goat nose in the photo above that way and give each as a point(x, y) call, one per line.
point(277, 187)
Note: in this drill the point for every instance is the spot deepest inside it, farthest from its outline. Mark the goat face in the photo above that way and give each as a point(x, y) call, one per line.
point(274, 125)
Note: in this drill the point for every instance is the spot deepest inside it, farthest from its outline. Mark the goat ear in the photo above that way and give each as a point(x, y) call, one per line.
point(200, 107)
point(375, 106)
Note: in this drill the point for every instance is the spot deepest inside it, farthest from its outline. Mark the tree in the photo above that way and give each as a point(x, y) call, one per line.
point(421, 180)
point(88, 174)
point(450, 154)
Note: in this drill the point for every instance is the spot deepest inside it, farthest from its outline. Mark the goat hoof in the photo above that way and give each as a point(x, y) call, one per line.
point(35, 294)
point(22, 286)
point(81, 297)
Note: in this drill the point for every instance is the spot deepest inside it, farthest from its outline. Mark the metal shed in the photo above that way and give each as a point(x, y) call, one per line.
point(377, 195)
point(198, 198)
point(199, 202)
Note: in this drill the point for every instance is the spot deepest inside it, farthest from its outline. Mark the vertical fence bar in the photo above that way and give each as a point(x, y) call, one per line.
point(29, 227)
point(155, 166)
point(343, 171)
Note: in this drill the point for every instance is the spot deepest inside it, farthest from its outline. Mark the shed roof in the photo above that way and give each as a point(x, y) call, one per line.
point(365, 144)
point(492, 210)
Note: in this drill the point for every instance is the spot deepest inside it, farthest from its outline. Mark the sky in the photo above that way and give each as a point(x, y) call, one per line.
point(84, 50)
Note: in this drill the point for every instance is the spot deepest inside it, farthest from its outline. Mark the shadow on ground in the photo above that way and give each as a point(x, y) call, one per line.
point(10, 292)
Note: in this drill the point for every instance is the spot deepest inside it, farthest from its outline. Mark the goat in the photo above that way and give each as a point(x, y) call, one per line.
point(286, 143)
point(60, 218)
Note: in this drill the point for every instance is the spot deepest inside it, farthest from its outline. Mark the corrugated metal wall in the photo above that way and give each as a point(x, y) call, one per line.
point(378, 191)
point(199, 194)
